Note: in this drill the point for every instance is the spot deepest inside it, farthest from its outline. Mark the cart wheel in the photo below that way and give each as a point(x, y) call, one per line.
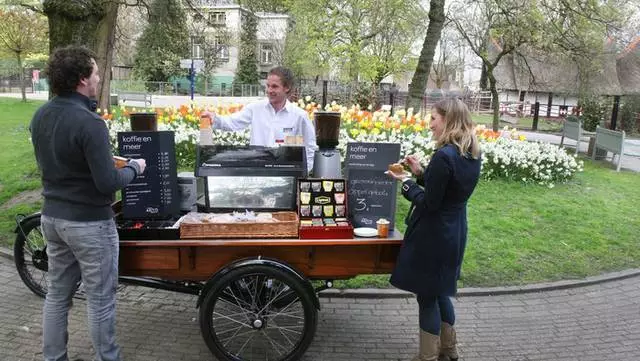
point(258, 312)
point(30, 256)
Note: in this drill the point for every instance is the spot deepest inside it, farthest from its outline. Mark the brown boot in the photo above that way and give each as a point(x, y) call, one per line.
point(448, 341)
point(429, 347)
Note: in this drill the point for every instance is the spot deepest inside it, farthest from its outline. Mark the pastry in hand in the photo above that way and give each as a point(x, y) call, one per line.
point(396, 168)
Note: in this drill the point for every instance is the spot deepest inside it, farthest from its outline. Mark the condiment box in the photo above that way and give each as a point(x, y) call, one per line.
point(322, 207)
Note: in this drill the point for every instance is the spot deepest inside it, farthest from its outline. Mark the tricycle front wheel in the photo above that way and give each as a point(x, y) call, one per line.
point(258, 312)
point(30, 256)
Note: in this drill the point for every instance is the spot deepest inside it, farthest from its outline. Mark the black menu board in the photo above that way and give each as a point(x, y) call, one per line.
point(371, 193)
point(154, 193)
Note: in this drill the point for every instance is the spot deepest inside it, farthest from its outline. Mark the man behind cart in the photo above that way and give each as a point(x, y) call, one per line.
point(79, 179)
point(275, 120)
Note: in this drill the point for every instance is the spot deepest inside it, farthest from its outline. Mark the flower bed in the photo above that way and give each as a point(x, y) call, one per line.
point(505, 153)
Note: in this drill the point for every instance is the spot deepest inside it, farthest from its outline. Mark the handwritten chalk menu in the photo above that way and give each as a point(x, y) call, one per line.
point(371, 193)
point(153, 194)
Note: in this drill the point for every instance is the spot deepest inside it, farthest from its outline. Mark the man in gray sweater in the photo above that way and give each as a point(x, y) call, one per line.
point(79, 179)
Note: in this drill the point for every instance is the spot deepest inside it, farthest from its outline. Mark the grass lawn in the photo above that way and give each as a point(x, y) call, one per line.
point(517, 233)
point(522, 234)
point(18, 170)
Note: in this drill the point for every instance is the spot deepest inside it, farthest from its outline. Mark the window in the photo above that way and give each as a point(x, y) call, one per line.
point(221, 49)
point(197, 51)
point(266, 54)
point(218, 18)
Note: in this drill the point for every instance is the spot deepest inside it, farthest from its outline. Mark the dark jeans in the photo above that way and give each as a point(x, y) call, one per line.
point(433, 310)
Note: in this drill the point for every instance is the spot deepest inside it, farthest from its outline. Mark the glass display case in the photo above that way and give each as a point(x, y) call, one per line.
point(248, 178)
point(246, 192)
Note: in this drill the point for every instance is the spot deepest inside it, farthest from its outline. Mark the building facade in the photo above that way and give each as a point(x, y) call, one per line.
point(217, 26)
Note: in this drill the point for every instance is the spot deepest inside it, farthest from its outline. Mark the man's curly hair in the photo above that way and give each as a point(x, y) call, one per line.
point(67, 66)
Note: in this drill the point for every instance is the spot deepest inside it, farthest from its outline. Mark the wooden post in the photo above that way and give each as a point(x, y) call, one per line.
point(536, 114)
point(614, 112)
point(325, 84)
point(391, 100)
point(549, 103)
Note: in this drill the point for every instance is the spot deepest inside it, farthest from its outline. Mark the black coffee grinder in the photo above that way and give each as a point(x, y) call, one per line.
point(326, 161)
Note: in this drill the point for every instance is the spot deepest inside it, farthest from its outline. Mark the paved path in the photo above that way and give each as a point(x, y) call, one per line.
point(600, 322)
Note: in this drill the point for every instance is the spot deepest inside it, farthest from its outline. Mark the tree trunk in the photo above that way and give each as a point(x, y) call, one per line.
point(21, 77)
point(483, 78)
point(420, 77)
point(495, 101)
point(104, 48)
point(90, 23)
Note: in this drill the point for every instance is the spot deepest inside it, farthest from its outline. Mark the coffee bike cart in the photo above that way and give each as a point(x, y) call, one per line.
point(257, 291)
point(256, 299)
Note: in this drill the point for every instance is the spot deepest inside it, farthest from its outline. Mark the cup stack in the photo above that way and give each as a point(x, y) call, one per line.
point(206, 133)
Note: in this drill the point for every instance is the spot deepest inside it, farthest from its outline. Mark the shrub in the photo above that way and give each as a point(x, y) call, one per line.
point(630, 114)
point(593, 112)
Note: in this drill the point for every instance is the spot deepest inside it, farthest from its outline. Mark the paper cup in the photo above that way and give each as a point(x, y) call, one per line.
point(383, 228)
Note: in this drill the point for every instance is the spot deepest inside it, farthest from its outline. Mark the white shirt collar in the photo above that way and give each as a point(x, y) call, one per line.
point(287, 106)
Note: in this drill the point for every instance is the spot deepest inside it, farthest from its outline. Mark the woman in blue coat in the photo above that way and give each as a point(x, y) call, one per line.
point(431, 254)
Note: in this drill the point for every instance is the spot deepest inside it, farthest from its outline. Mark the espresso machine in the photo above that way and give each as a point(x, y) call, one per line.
point(326, 161)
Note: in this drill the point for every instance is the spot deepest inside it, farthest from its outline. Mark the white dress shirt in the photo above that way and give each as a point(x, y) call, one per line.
point(270, 128)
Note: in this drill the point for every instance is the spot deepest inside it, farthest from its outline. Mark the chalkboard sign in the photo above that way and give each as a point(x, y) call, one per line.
point(153, 194)
point(371, 193)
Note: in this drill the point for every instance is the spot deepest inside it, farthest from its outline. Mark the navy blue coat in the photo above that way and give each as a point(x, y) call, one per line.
point(433, 247)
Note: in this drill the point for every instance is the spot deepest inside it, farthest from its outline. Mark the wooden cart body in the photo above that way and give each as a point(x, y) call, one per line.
point(198, 260)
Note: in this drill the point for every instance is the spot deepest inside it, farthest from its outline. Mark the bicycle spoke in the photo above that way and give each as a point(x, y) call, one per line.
point(244, 345)
point(276, 345)
point(279, 329)
point(231, 319)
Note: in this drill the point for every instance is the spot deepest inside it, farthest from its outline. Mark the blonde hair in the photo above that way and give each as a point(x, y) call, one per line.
point(458, 127)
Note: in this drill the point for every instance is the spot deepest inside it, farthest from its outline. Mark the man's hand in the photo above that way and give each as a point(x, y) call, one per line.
point(141, 163)
point(414, 164)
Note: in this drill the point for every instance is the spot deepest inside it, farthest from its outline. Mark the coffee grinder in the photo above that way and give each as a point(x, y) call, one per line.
point(326, 161)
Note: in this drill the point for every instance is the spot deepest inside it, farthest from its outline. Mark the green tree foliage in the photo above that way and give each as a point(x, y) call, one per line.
point(163, 43)
point(364, 39)
point(23, 33)
point(247, 72)
point(270, 6)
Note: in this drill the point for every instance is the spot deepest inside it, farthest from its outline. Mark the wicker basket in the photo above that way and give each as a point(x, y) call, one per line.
point(286, 227)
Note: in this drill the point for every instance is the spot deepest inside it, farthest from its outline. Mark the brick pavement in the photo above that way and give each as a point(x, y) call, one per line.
point(598, 322)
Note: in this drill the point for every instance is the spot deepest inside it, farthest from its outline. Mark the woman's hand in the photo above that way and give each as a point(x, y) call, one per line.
point(208, 115)
point(414, 164)
point(396, 176)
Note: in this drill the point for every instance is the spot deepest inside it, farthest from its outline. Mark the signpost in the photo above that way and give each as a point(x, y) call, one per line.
point(194, 65)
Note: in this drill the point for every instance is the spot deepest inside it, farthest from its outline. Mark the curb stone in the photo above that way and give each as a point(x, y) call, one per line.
point(462, 292)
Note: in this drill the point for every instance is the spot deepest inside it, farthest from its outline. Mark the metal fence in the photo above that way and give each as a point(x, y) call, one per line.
point(184, 88)
point(13, 86)
point(367, 95)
